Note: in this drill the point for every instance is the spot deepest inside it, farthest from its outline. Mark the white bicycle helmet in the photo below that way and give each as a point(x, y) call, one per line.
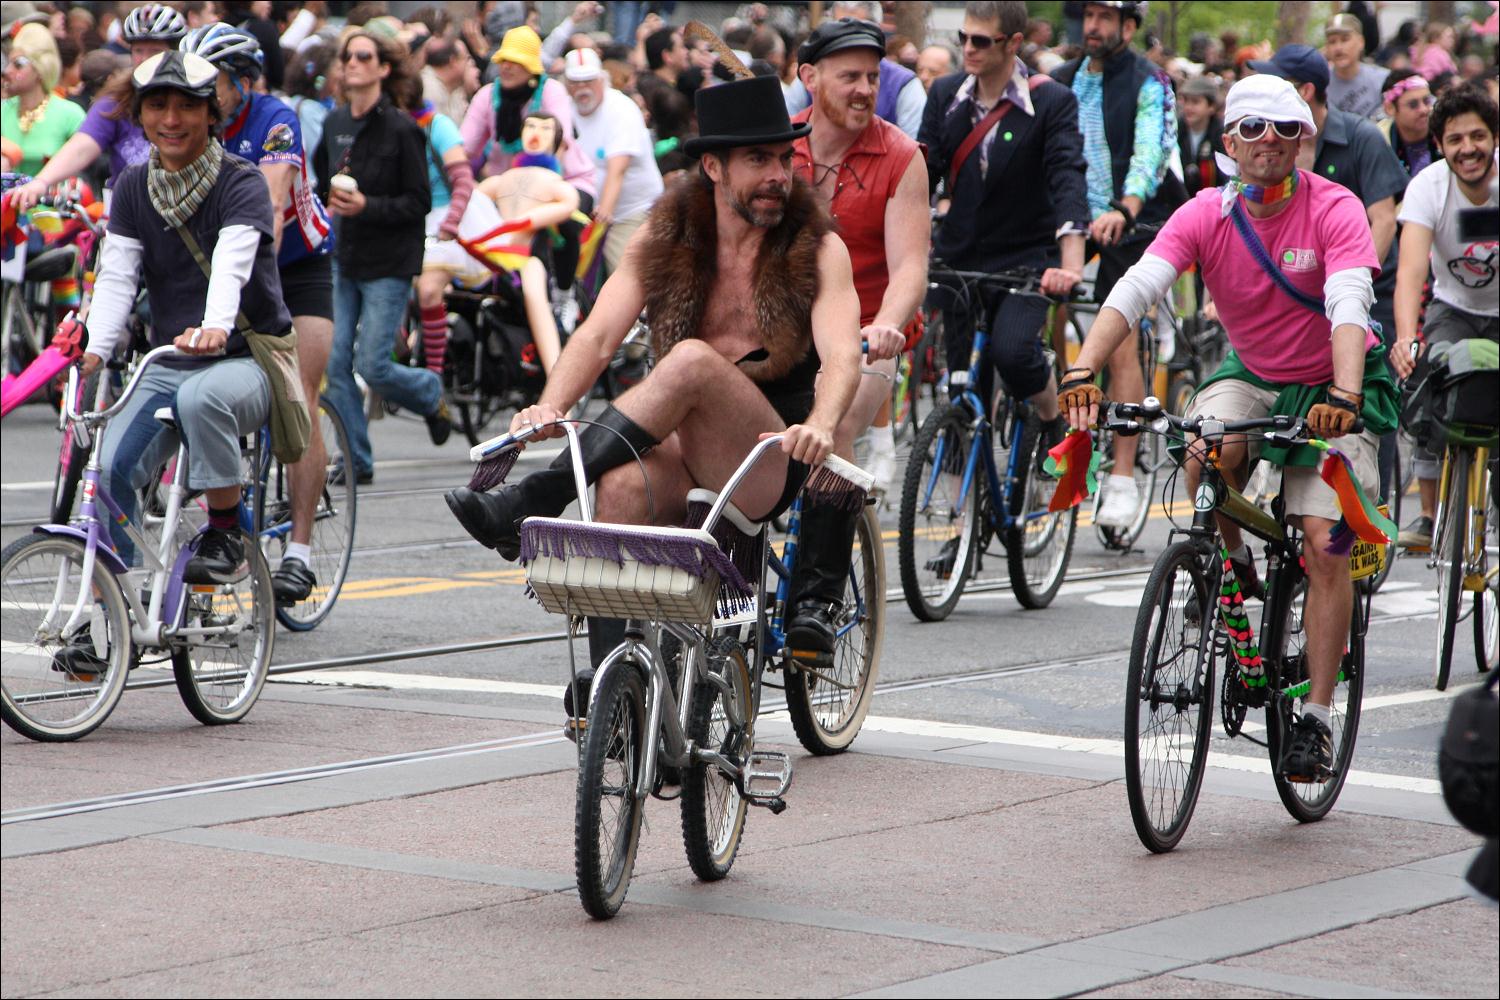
point(1133, 9)
point(232, 49)
point(155, 22)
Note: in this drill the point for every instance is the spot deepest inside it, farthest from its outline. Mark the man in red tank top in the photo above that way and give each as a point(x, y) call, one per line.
point(875, 185)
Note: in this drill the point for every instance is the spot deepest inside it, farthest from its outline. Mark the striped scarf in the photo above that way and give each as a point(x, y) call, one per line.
point(177, 194)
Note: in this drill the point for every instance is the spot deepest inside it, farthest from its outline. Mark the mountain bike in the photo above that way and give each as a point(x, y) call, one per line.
point(972, 477)
point(1192, 617)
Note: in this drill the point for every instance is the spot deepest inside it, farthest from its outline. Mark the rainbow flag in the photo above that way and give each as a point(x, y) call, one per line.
point(1075, 465)
point(1361, 520)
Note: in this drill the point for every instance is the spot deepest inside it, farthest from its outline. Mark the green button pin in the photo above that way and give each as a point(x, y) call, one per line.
point(1331, 169)
point(1008, 136)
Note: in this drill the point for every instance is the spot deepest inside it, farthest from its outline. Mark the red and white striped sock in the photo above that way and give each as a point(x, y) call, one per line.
point(434, 336)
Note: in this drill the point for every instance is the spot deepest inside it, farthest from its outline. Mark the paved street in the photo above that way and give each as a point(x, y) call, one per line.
point(396, 817)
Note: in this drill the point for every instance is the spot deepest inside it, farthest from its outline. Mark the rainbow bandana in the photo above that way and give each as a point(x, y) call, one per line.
point(1074, 463)
point(1267, 195)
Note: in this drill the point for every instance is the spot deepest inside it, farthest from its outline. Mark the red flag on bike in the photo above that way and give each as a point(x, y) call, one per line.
point(1074, 464)
point(1361, 519)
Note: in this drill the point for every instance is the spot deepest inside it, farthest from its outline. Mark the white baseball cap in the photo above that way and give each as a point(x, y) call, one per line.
point(1269, 97)
point(582, 64)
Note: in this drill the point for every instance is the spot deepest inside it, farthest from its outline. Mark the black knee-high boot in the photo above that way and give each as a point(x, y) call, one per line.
point(494, 519)
point(825, 549)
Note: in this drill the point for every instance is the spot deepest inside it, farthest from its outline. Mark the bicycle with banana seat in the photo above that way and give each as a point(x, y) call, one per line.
point(683, 689)
point(1192, 617)
point(77, 619)
point(972, 475)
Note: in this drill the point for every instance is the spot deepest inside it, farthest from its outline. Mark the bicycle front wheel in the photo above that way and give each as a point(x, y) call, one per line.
point(607, 819)
point(221, 670)
point(1451, 547)
point(1169, 698)
point(332, 541)
point(59, 685)
point(940, 524)
point(1310, 801)
point(713, 811)
point(827, 708)
point(1487, 550)
point(1038, 547)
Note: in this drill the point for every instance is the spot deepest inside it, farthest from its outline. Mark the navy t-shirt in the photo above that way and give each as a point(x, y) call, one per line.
point(177, 286)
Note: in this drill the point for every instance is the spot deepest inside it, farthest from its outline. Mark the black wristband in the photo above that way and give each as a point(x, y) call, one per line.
point(1347, 405)
point(1119, 206)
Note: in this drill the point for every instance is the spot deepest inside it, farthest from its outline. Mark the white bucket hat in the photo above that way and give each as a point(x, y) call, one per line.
point(1268, 97)
point(582, 64)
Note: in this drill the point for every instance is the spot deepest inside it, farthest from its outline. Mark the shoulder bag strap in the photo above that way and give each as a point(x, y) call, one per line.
point(197, 252)
point(1258, 251)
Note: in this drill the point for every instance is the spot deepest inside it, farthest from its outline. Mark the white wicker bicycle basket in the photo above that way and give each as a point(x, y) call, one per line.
point(626, 571)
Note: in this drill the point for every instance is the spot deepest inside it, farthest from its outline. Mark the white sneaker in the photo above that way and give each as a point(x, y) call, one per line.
point(1122, 500)
point(883, 468)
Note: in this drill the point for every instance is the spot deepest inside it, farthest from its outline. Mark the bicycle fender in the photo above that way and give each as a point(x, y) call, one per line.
point(107, 555)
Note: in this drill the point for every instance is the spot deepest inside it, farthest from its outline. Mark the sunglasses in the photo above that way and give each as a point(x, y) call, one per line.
point(362, 56)
point(980, 42)
point(1254, 129)
point(1419, 102)
point(19, 63)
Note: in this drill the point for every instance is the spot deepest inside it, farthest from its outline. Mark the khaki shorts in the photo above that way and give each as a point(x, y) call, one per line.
point(615, 241)
point(448, 255)
point(1303, 490)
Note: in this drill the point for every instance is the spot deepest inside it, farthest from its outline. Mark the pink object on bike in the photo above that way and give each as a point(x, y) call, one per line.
point(66, 348)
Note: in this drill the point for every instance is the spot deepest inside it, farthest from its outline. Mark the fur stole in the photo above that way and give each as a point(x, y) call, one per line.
point(678, 263)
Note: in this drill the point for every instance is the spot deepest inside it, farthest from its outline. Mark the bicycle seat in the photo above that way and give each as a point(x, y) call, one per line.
point(52, 264)
point(167, 416)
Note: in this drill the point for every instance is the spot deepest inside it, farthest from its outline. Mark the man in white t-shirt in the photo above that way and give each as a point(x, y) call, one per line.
point(612, 131)
point(1464, 303)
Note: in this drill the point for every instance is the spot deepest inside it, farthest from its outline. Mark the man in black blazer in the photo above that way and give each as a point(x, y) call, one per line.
point(1016, 191)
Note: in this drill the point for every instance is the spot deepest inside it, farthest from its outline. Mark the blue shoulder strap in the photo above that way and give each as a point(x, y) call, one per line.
point(1258, 251)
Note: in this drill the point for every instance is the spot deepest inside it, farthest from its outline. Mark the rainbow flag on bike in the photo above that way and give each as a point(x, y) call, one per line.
point(1361, 520)
point(1074, 463)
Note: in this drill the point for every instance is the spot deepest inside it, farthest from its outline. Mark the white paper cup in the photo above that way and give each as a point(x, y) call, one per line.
point(343, 182)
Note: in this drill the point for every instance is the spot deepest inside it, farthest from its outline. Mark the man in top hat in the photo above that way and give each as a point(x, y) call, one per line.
point(1297, 312)
point(748, 293)
point(1355, 85)
point(874, 181)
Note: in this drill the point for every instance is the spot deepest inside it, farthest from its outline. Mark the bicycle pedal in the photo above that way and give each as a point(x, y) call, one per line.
point(575, 729)
point(777, 806)
point(766, 776)
point(815, 657)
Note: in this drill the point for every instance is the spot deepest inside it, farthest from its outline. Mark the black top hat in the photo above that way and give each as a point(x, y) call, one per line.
point(742, 113)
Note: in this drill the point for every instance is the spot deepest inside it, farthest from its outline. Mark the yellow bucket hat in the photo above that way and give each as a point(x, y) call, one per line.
point(522, 46)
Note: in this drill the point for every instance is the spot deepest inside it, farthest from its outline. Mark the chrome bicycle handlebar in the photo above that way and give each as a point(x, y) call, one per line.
point(96, 417)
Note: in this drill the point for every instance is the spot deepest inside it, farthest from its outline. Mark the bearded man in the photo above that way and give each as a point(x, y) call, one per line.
point(874, 182)
point(747, 293)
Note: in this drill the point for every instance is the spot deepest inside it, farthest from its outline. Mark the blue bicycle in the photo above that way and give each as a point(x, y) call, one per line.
point(972, 477)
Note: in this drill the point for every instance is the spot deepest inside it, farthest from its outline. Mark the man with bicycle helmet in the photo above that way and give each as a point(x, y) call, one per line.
point(216, 389)
point(261, 129)
point(1128, 116)
point(108, 126)
point(1288, 257)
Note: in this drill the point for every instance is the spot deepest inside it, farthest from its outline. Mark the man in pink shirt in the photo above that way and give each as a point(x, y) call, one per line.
point(1302, 347)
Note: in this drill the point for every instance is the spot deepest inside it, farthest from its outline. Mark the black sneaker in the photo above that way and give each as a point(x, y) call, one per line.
point(1417, 534)
point(1309, 757)
point(1052, 433)
point(439, 423)
point(218, 558)
point(813, 628)
point(78, 658)
point(942, 563)
point(336, 475)
point(292, 582)
point(1251, 589)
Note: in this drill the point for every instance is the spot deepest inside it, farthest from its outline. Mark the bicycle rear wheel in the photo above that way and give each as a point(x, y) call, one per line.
point(1487, 549)
point(939, 526)
point(1038, 547)
point(220, 675)
point(332, 541)
point(1310, 801)
point(1169, 698)
point(713, 811)
point(607, 819)
point(1451, 547)
point(828, 710)
point(59, 687)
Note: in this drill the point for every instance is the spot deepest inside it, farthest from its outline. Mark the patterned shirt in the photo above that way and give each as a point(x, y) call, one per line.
point(1155, 139)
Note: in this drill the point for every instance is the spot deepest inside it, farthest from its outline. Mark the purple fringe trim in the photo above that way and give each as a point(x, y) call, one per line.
point(492, 471)
point(1341, 539)
point(826, 488)
point(594, 541)
point(743, 550)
